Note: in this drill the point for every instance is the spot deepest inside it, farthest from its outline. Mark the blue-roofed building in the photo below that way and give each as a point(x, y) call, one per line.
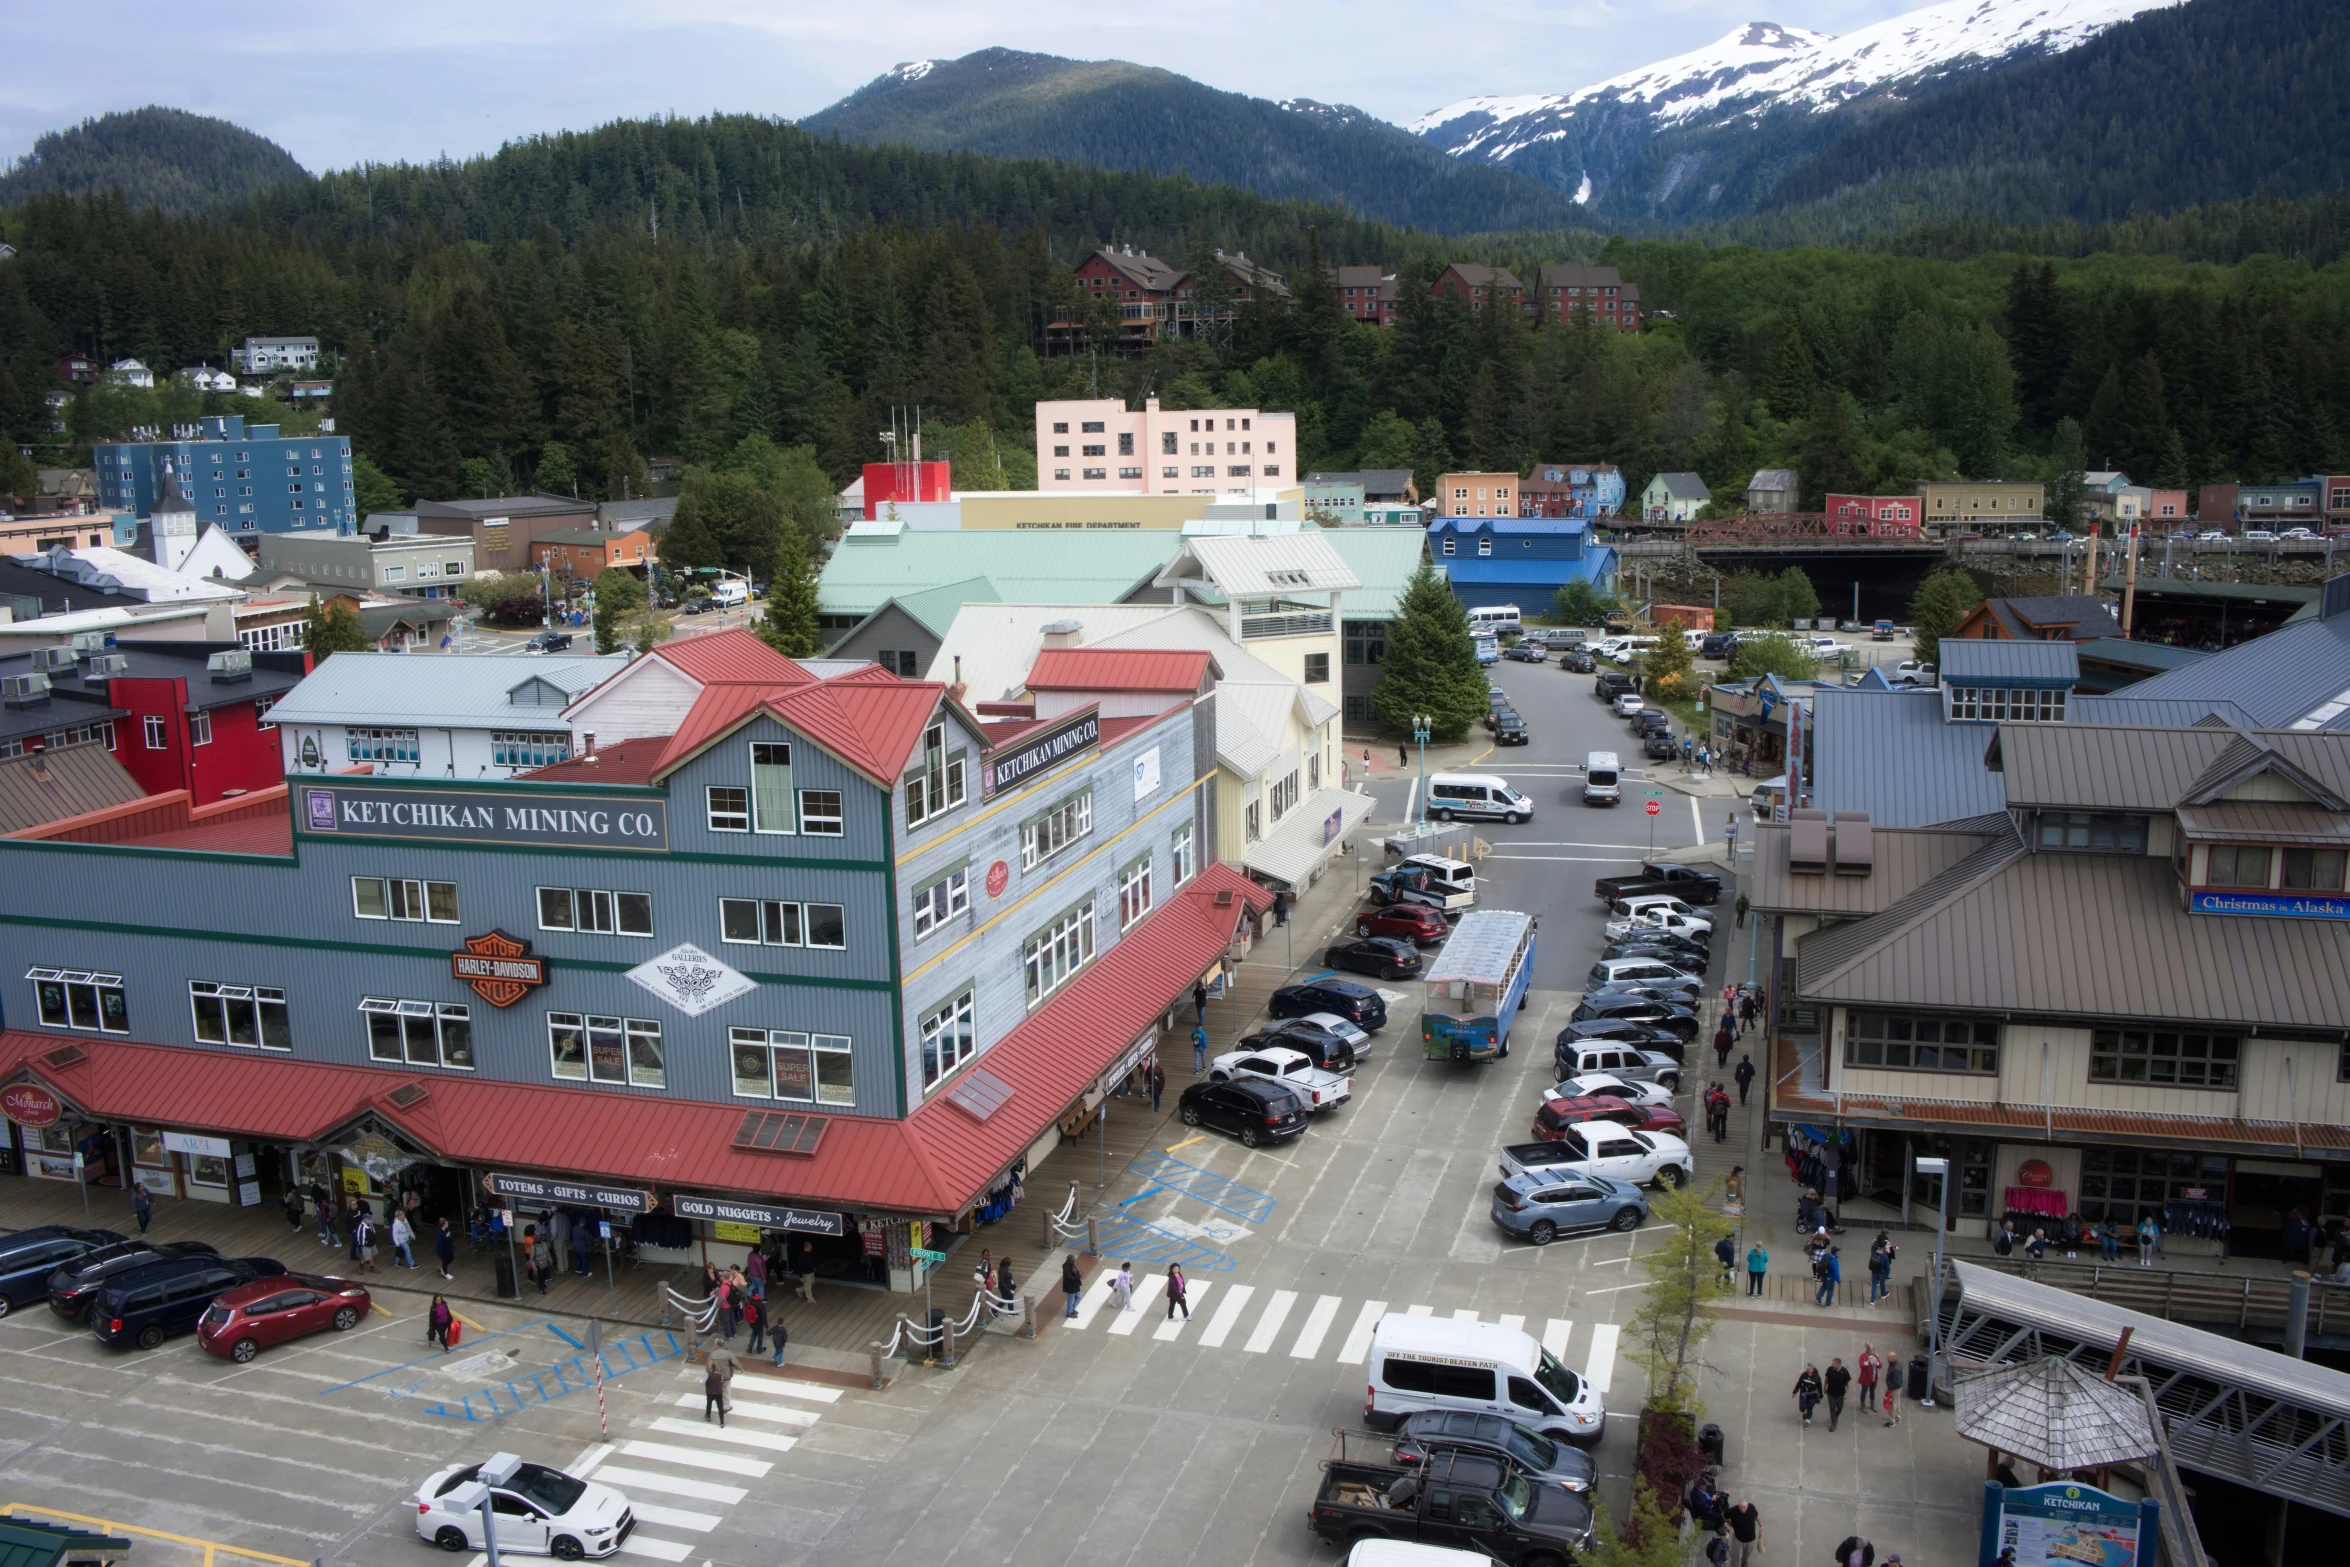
point(1895, 755)
point(247, 478)
point(2296, 677)
point(1993, 682)
point(1518, 560)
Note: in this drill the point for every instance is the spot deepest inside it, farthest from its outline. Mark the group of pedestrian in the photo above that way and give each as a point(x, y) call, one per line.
point(1872, 1372)
point(1121, 1288)
point(1732, 1530)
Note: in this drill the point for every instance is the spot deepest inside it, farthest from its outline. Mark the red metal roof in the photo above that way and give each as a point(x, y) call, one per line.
point(868, 673)
point(935, 1162)
point(1119, 669)
point(731, 655)
point(622, 762)
point(870, 724)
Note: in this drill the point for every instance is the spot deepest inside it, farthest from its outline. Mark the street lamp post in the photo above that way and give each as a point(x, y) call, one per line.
point(1940, 1169)
point(498, 1470)
point(1421, 723)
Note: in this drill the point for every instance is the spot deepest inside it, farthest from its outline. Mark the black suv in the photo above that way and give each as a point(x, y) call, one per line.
point(1495, 1436)
point(1255, 1112)
point(1610, 684)
point(73, 1287)
point(1325, 1049)
point(1510, 729)
point(1719, 644)
point(1577, 662)
point(144, 1306)
point(1622, 1031)
point(29, 1258)
point(1358, 1004)
point(1638, 1009)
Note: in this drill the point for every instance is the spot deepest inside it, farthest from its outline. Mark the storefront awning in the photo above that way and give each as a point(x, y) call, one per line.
point(1309, 836)
point(937, 1161)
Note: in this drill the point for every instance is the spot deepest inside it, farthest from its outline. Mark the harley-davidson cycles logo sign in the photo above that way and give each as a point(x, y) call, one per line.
point(500, 969)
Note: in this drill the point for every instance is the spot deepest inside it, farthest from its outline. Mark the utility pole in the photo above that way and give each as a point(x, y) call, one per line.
point(1421, 723)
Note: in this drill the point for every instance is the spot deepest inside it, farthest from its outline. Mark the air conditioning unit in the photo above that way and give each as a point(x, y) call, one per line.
point(24, 690)
point(87, 642)
point(103, 667)
point(230, 664)
point(51, 659)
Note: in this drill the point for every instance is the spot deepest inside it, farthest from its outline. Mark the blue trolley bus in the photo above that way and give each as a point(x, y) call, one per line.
point(1476, 985)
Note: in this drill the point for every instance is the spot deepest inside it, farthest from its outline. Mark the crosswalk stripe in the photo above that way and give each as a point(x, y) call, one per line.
point(1227, 1314)
point(1419, 1311)
point(1092, 1301)
point(1600, 1369)
point(669, 1485)
point(1554, 1337)
point(674, 1517)
point(658, 1550)
point(1276, 1313)
point(1146, 1290)
point(1309, 1337)
point(585, 1464)
point(766, 1385)
point(1514, 1322)
point(1193, 1289)
point(1358, 1338)
point(726, 1435)
point(695, 1458)
point(752, 1409)
point(1464, 1315)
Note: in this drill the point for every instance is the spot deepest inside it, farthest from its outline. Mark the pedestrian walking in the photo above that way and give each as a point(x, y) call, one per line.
point(1122, 1287)
point(1072, 1283)
point(1856, 1552)
point(1758, 1261)
point(542, 1261)
point(714, 1396)
point(444, 1246)
point(1178, 1292)
point(402, 1237)
point(776, 1339)
point(1893, 1392)
point(1740, 907)
point(325, 1211)
point(1830, 1273)
point(436, 1323)
point(142, 1205)
point(363, 1233)
point(804, 1272)
point(1155, 1077)
point(723, 1318)
point(1745, 1534)
point(1748, 1007)
point(1199, 1003)
point(1745, 1077)
point(1807, 1392)
point(1727, 1255)
point(2149, 1235)
point(1199, 1049)
point(755, 1318)
point(1724, 1037)
point(1003, 1276)
point(1403, 756)
point(293, 1207)
point(755, 1275)
point(1837, 1381)
point(1281, 902)
point(1869, 1364)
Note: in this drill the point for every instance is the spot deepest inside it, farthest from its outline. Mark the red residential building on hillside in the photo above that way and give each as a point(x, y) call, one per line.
point(1562, 291)
point(1368, 294)
point(1477, 283)
point(1880, 515)
point(1155, 299)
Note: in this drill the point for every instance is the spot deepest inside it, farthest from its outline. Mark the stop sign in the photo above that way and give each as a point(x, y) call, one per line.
point(1655, 808)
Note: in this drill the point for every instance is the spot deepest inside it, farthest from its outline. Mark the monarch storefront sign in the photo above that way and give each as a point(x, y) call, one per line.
point(536, 820)
point(765, 1216)
point(552, 1189)
point(1017, 763)
point(500, 968)
point(2275, 905)
point(29, 1104)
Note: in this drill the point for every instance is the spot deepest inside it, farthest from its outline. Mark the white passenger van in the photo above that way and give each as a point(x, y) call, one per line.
point(1602, 779)
point(730, 593)
point(1423, 1363)
point(1492, 620)
point(1476, 797)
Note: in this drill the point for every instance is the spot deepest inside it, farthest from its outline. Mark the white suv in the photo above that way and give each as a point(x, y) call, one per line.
point(1292, 1069)
point(1656, 917)
point(1608, 1085)
point(1617, 1152)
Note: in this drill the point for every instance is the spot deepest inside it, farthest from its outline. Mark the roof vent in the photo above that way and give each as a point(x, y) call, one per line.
point(64, 1056)
point(1064, 633)
point(48, 660)
point(980, 1094)
point(1856, 843)
point(103, 667)
point(24, 690)
point(1224, 898)
point(88, 642)
point(1807, 842)
point(770, 1131)
point(230, 665)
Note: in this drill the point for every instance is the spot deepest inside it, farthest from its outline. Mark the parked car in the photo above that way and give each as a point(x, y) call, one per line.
point(1609, 684)
point(1525, 653)
point(1674, 1018)
point(1682, 881)
point(1471, 1510)
point(2061, 536)
point(1635, 904)
point(2297, 533)
point(1378, 956)
point(1291, 1069)
point(1323, 1046)
point(1608, 971)
point(1413, 922)
point(1358, 1004)
point(1457, 1430)
point(244, 1321)
point(2210, 536)
point(1610, 1085)
point(1627, 704)
point(1617, 1152)
point(548, 642)
point(1718, 644)
point(1332, 1024)
point(1554, 1115)
point(1652, 719)
point(147, 1305)
point(541, 1512)
point(1510, 729)
point(74, 1287)
point(1648, 917)
point(1627, 1062)
point(1540, 1205)
point(1681, 955)
point(31, 1257)
point(1622, 1031)
point(2259, 536)
point(1428, 879)
point(1256, 1112)
point(1575, 661)
point(1499, 711)
point(1682, 993)
point(1659, 747)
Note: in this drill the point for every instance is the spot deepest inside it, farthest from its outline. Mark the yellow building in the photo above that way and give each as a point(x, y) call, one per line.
point(1990, 505)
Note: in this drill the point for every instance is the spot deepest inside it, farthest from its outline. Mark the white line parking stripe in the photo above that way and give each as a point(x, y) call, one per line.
point(659, 1550)
point(1227, 1315)
point(1464, 1315)
point(1146, 1289)
point(1420, 1311)
point(674, 1517)
point(726, 1435)
point(1276, 1313)
point(693, 1458)
point(752, 1409)
point(1193, 1289)
point(1554, 1336)
point(1309, 1337)
point(1600, 1369)
point(1514, 1322)
point(669, 1485)
point(1358, 1337)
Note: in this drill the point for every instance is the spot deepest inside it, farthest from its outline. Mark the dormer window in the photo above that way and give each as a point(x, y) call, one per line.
point(2006, 704)
point(2092, 832)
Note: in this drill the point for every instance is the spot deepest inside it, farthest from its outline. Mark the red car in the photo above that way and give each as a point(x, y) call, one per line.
point(242, 1322)
point(1556, 1115)
point(1413, 922)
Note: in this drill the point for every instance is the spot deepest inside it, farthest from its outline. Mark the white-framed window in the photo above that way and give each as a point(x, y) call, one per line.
point(157, 733)
point(419, 1033)
point(949, 1038)
point(771, 797)
point(623, 1051)
point(381, 745)
point(1182, 857)
point(253, 1016)
point(942, 900)
point(773, 922)
point(936, 786)
point(524, 748)
point(799, 1068)
point(1285, 796)
point(1045, 835)
point(820, 812)
point(1134, 893)
point(596, 912)
point(1448, 544)
point(77, 998)
point(730, 808)
point(261, 709)
point(1050, 957)
point(396, 898)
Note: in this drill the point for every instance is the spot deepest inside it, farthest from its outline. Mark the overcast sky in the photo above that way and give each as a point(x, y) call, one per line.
point(339, 83)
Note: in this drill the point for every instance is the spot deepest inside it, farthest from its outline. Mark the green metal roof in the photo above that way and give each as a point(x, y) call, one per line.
point(934, 608)
point(24, 1543)
point(1384, 559)
point(1023, 566)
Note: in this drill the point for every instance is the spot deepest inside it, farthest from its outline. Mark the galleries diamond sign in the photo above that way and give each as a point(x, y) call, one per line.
point(691, 980)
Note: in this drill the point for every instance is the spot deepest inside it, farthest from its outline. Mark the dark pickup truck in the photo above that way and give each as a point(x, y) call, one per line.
point(1463, 1500)
point(1684, 882)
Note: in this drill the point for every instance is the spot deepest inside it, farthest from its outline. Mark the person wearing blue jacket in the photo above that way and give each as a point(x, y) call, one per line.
point(1831, 1274)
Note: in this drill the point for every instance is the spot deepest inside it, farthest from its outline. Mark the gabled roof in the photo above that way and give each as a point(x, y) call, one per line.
point(2091, 766)
point(1478, 275)
point(435, 691)
point(737, 654)
point(1143, 270)
point(1772, 479)
point(934, 608)
point(871, 723)
point(1892, 754)
point(2080, 616)
point(2297, 675)
point(1043, 566)
point(1965, 660)
point(1383, 561)
point(40, 787)
point(1683, 486)
point(1179, 672)
point(1258, 565)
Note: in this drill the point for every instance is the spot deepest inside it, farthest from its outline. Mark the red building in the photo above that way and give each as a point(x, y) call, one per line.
point(1901, 516)
point(1153, 299)
point(1475, 283)
point(1367, 294)
point(579, 554)
point(906, 481)
point(176, 715)
point(1565, 293)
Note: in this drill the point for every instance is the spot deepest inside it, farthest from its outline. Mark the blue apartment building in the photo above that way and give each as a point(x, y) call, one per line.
point(247, 478)
point(831, 957)
point(1518, 560)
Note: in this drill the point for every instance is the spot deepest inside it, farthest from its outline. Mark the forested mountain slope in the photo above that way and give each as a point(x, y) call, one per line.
point(167, 159)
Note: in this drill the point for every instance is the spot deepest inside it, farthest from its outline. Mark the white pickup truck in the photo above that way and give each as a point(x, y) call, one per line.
point(1292, 1069)
point(1603, 1148)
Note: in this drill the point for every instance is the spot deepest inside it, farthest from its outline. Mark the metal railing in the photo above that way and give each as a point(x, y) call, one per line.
point(2238, 1302)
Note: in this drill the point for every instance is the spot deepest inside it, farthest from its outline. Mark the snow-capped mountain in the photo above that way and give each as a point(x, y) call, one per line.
point(1579, 141)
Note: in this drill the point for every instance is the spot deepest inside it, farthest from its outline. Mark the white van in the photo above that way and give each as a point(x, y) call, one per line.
point(1423, 1363)
point(1602, 779)
point(1476, 797)
point(1494, 619)
point(730, 593)
point(1693, 640)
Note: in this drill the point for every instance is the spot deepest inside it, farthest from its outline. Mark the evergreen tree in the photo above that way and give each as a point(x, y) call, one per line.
point(1791, 382)
point(1939, 604)
point(1667, 1333)
point(2037, 344)
point(1832, 461)
point(2170, 472)
point(556, 474)
point(1581, 604)
point(1798, 599)
point(789, 626)
point(2102, 432)
point(372, 490)
point(2143, 424)
point(2067, 483)
point(619, 594)
point(1387, 442)
point(1431, 458)
point(1752, 599)
point(332, 627)
point(1431, 663)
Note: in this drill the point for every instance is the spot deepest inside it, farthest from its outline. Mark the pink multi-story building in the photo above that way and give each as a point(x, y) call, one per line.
point(1875, 514)
point(1100, 445)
